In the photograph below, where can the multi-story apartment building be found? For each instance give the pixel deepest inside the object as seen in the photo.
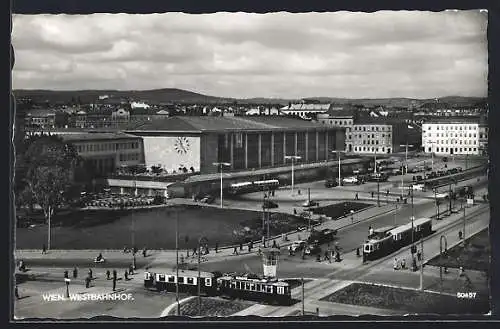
(448, 137)
(40, 118)
(370, 138)
(337, 118)
(305, 111)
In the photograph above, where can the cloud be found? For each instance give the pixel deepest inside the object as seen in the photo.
(342, 54)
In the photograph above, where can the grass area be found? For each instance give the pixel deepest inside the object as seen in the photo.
(475, 255)
(339, 210)
(212, 306)
(412, 301)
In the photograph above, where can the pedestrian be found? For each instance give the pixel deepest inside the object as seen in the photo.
(194, 251)
(44, 249)
(235, 251)
(272, 192)
(419, 255)
(326, 255)
(370, 231)
(290, 251)
(241, 246)
(460, 235)
(216, 247)
(299, 191)
(87, 282)
(16, 292)
(90, 273)
(372, 194)
(108, 275)
(274, 244)
(75, 273)
(357, 252)
(461, 271)
(131, 270)
(396, 264)
(115, 275)
(144, 252)
(357, 196)
(337, 256)
(66, 275)
(126, 275)
(294, 211)
(403, 264)
(114, 284)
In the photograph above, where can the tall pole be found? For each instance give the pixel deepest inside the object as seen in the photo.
(221, 204)
(464, 224)
(395, 214)
(449, 197)
(199, 277)
(422, 265)
(49, 233)
(177, 261)
(303, 308)
(293, 160)
(432, 155)
(406, 156)
(378, 192)
(133, 243)
(340, 177)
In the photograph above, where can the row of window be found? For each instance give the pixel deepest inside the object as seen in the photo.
(372, 128)
(130, 156)
(183, 280)
(339, 122)
(456, 149)
(373, 149)
(255, 287)
(100, 147)
(450, 127)
(454, 141)
(471, 135)
(368, 136)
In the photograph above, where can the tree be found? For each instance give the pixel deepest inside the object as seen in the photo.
(50, 167)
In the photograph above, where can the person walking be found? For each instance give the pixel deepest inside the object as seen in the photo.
(235, 251)
(90, 273)
(241, 246)
(44, 249)
(16, 292)
(396, 264)
(403, 264)
(108, 275)
(87, 282)
(216, 247)
(75, 273)
(419, 255)
(373, 194)
(370, 231)
(357, 196)
(114, 284)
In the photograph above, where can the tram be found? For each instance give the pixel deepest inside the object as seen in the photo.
(388, 240)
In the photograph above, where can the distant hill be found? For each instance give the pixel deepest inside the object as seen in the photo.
(87, 96)
(168, 95)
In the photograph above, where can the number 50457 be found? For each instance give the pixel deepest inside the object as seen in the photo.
(470, 295)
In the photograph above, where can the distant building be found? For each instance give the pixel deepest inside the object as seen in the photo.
(120, 117)
(305, 111)
(483, 138)
(452, 136)
(40, 118)
(139, 105)
(337, 117)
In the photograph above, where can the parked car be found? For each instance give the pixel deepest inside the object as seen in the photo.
(431, 175)
(268, 204)
(310, 203)
(298, 245)
(419, 178)
(378, 177)
(331, 183)
(208, 199)
(350, 180)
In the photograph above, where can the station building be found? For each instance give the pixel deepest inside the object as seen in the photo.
(245, 143)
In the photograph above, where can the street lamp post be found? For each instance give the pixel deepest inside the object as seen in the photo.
(395, 214)
(177, 261)
(422, 264)
(221, 165)
(339, 164)
(463, 235)
(412, 229)
(200, 240)
(404, 169)
(133, 243)
(293, 158)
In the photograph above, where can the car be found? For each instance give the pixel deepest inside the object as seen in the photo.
(431, 175)
(325, 235)
(208, 199)
(331, 183)
(419, 178)
(350, 180)
(418, 187)
(441, 173)
(459, 169)
(454, 170)
(298, 245)
(268, 204)
(310, 203)
(313, 249)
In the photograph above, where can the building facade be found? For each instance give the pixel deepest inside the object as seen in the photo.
(245, 143)
(107, 151)
(40, 118)
(370, 138)
(451, 137)
(305, 111)
(483, 139)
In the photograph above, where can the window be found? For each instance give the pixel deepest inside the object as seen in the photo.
(161, 277)
(171, 278)
(181, 279)
(190, 281)
(269, 289)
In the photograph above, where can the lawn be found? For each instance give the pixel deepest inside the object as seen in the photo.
(412, 301)
(475, 256)
(212, 306)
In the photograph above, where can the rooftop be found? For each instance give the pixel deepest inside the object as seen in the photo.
(96, 136)
(455, 119)
(197, 124)
(306, 107)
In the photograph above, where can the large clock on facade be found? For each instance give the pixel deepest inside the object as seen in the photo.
(181, 145)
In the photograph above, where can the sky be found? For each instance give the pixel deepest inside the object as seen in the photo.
(240, 55)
